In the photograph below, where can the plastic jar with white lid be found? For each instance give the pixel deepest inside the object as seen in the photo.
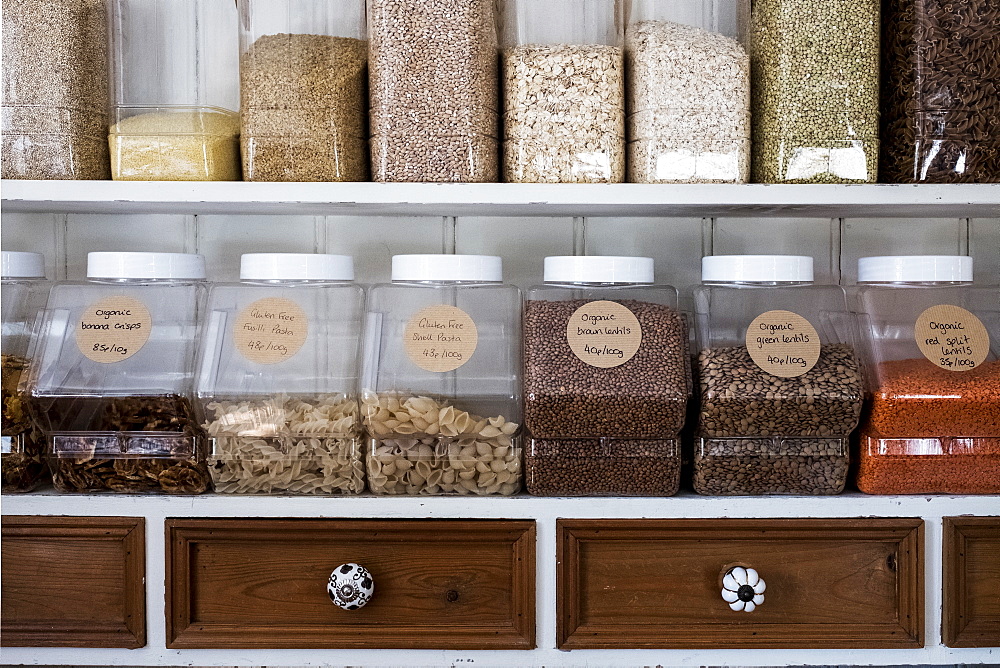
(780, 383)
(932, 337)
(606, 379)
(24, 291)
(111, 382)
(277, 375)
(441, 402)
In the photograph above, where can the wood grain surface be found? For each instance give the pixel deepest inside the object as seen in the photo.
(971, 611)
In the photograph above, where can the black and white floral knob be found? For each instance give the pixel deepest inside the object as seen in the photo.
(351, 586)
(743, 589)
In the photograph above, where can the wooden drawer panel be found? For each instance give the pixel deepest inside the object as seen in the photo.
(831, 583)
(971, 614)
(73, 582)
(261, 583)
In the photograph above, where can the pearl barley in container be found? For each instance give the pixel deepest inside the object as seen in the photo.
(440, 402)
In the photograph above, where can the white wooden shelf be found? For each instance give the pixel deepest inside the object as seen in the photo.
(499, 199)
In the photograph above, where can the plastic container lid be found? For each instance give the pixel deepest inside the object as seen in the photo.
(474, 268)
(296, 267)
(915, 269)
(179, 266)
(598, 269)
(757, 269)
(17, 264)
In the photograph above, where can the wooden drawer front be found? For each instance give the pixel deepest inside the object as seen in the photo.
(831, 583)
(73, 582)
(971, 615)
(438, 584)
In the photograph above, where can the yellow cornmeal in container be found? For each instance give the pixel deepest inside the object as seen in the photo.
(177, 145)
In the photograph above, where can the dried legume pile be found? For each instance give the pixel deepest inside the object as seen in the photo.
(564, 114)
(602, 467)
(689, 105)
(433, 90)
(941, 91)
(304, 100)
(645, 397)
(23, 466)
(815, 75)
(421, 445)
(55, 90)
(734, 466)
(298, 445)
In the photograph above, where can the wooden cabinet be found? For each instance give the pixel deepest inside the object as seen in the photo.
(830, 583)
(971, 614)
(73, 582)
(261, 583)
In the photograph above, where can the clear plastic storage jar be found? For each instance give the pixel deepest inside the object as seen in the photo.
(779, 381)
(55, 89)
(277, 377)
(111, 376)
(564, 91)
(434, 90)
(940, 91)
(933, 420)
(173, 117)
(687, 95)
(303, 90)
(606, 379)
(22, 448)
(441, 400)
(815, 93)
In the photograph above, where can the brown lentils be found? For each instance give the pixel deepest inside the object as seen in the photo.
(602, 467)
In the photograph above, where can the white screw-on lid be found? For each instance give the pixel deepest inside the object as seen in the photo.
(757, 269)
(474, 268)
(296, 267)
(16, 264)
(915, 269)
(598, 269)
(180, 266)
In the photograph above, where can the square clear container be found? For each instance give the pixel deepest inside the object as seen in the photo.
(771, 465)
(602, 467)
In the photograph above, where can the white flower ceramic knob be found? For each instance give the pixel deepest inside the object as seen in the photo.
(743, 589)
(351, 586)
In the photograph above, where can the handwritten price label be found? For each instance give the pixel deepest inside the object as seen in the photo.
(604, 334)
(440, 338)
(952, 337)
(113, 329)
(783, 343)
(270, 330)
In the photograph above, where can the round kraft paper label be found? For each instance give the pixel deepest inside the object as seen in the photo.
(604, 334)
(113, 329)
(783, 343)
(440, 338)
(952, 338)
(270, 330)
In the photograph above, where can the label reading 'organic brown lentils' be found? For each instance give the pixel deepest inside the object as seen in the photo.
(113, 329)
(783, 343)
(604, 334)
(952, 338)
(440, 338)
(270, 330)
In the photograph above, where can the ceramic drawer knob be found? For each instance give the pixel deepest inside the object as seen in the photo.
(743, 589)
(351, 586)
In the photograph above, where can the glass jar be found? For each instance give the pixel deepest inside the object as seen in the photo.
(173, 117)
(55, 89)
(779, 379)
(434, 90)
(22, 446)
(940, 91)
(606, 379)
(933, 424)
(440, 383)
(277, 377)
(111, 379)
(564, 91)
(688, 96)
(815, 71)
(303, 90)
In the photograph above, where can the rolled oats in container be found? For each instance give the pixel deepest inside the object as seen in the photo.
(434, 90)
(606, 379)
(779, 380)
(564, 91)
